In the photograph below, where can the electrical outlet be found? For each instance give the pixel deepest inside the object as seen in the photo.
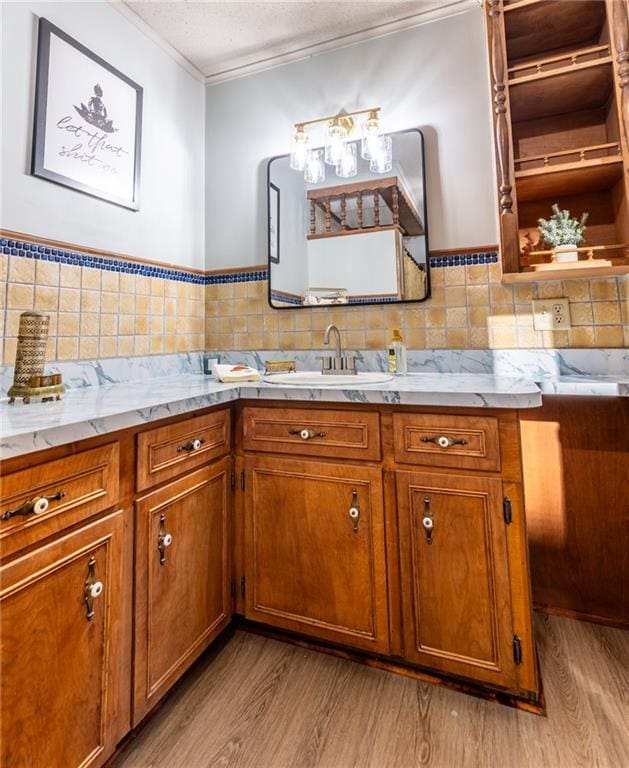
(551, 314)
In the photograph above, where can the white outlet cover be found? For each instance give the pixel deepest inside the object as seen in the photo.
(551, 314)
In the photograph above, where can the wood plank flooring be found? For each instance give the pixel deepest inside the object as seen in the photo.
(265, 704)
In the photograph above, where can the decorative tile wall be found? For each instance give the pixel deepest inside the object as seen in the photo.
(106, 307)
(469, 308)
(101, 310)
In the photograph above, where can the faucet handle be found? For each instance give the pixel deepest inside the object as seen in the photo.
(349, 363)
(326, 362)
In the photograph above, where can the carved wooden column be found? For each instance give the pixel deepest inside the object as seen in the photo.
(328, 215)
(618, 15)
(508, 220)
(395, 205)
(313, 217)
(376, 208)
(343, 211)
(359, 205)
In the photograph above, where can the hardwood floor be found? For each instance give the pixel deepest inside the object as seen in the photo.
(265, 704)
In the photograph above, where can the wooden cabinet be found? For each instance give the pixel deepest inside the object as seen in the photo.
(46, 498)
(167, 452)
(315, 550)
(182, 584)
(322, 433)
(445, 440)
(65, 673)
(455, 576)
(561, 115)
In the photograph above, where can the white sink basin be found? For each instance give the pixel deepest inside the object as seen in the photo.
(317, 379)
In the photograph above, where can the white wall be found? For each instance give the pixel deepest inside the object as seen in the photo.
(365, 263)
(291, 274)
(169, 226)
(434, 77)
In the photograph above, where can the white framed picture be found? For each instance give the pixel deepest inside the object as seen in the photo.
(88, 121)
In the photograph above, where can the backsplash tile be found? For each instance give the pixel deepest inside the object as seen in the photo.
(469, 307)
(104, 308)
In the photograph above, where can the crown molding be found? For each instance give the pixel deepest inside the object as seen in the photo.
(168, 49)
(452, 8)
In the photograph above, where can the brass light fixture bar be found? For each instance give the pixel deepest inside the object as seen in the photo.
(342, 118)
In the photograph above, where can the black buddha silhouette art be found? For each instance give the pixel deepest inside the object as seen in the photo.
(96, 112)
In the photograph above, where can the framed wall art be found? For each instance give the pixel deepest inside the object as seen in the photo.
(88, 121)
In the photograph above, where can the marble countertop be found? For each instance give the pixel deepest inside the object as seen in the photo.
(86, 412)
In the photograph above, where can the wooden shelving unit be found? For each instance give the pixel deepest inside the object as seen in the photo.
(560, 79)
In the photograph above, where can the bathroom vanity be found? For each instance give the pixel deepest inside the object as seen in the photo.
(393, 532)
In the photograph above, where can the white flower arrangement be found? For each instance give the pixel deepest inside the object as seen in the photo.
(561, 229)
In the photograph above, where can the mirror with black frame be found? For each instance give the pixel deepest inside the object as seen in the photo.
(358, 240)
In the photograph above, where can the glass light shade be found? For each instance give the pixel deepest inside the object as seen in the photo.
(372, 135)
(334, 142)
(348, 164)
(299, 149)
(314, 171)
(382, 160)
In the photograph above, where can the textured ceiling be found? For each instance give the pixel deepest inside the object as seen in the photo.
(226, 39)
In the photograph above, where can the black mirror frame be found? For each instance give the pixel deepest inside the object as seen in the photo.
(362, 303)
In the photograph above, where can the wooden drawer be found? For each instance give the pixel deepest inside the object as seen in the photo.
(88, 481)
(167, 452)
(336, 433)
(464, 442)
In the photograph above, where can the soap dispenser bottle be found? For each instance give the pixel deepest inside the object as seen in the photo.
(397, 354)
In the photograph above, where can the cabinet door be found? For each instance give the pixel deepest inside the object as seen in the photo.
(455, 576)
(64, 673)
(182, 578)
(315, 550)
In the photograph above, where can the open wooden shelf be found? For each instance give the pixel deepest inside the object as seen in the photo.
(565, 89)
(573, 59)
(563, 136)
(585, 176)
(563, 274)
(533, 27)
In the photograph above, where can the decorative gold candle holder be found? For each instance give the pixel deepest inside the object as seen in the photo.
(29, 379)
(279, 366)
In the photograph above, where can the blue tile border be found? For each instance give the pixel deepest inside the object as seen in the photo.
(464, 259)
(32, 250)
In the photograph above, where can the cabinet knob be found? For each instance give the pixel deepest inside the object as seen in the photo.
(36, 506)
(306, 434)
(164, 539)
(443, 441)
(354, 511)
(191, 445)
(428, 522)
(93, 588)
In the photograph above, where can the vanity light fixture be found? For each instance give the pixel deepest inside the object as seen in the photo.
(339, 147)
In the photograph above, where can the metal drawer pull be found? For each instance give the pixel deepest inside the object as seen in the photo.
(428, 521)
(443, 441)
(164, 540)
(191, 445)
(93, 588)
(354, 511)
(36, 506)
(306, 434)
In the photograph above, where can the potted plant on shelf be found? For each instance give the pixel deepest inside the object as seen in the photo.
(563, 233)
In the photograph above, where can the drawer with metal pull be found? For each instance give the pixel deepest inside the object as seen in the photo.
(462, 442)
(167, 452)
(336, 433)
(54, 495)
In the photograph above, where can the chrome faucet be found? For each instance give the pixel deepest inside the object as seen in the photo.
(337, 363)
